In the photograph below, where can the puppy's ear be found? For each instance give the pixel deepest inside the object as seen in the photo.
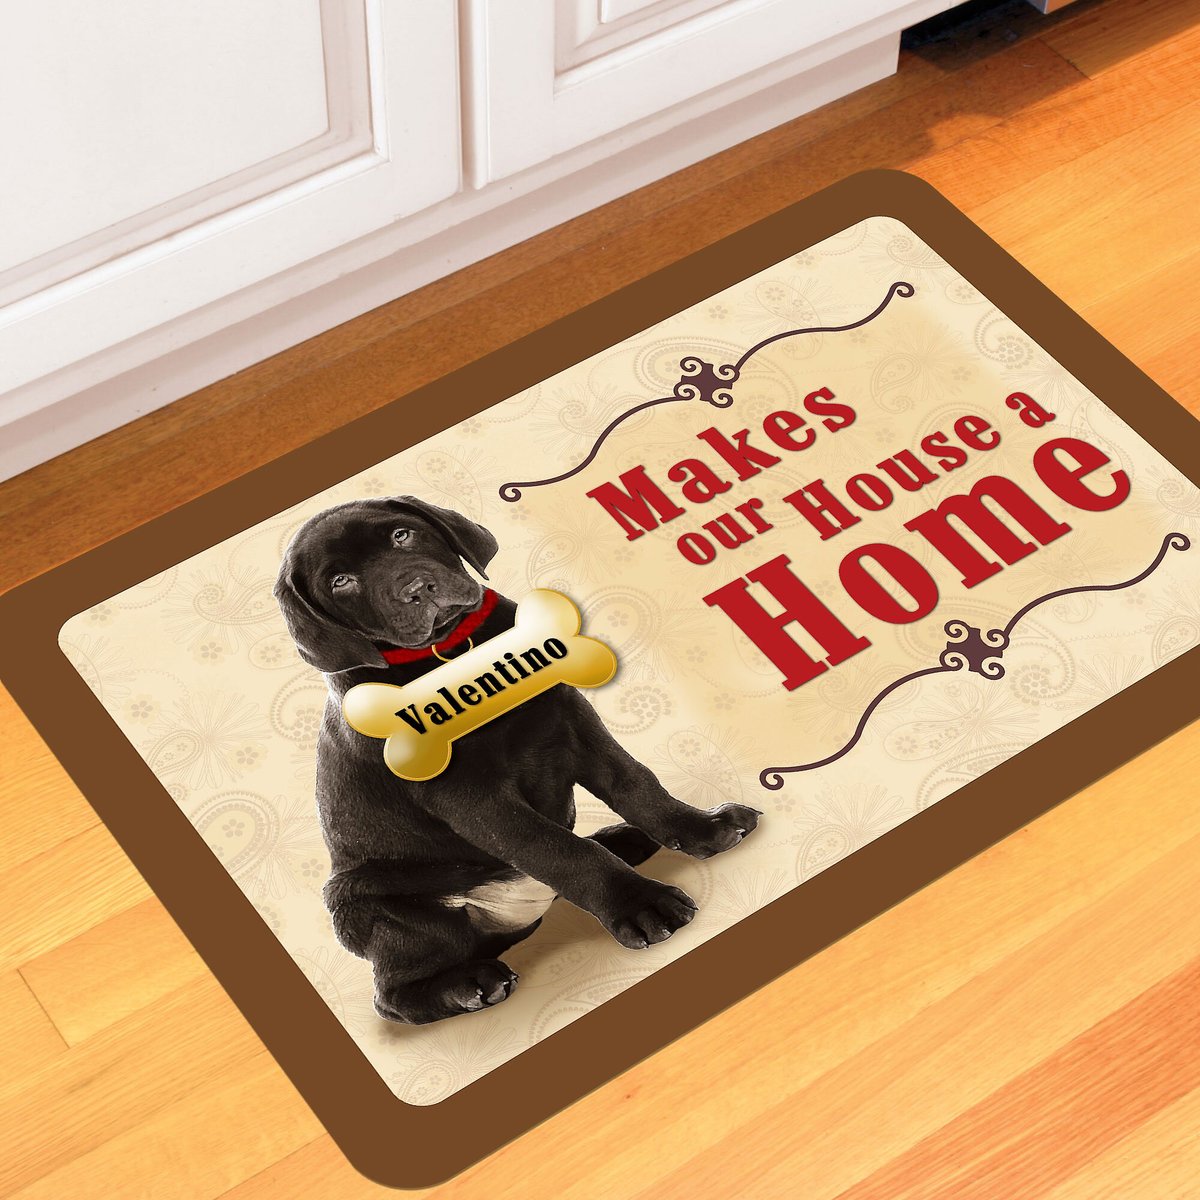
(323, 642)
(469, 541)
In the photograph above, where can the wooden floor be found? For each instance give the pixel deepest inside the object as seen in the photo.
(1027, 1027)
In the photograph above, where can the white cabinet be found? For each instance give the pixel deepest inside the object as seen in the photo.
(188, 186)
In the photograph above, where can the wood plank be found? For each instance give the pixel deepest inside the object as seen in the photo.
(63, 891)
(320, 1169)
(1133, 224)
(1106, 37)
(1108, 1081)
(1153, 315)
(115, 968)
(197, 1147)
(118, 1080)
(1061, 127)
(1155, 320)
(39, 805)
(1158, 1159)
(30, 1039)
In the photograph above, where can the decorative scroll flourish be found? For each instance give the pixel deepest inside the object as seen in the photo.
(973, 649)
(704, 381)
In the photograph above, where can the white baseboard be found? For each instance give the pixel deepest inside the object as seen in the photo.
(93, 396)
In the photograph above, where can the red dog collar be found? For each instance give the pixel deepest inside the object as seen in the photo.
(459, 634)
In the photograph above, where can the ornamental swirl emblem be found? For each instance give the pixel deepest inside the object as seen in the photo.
(701, 380)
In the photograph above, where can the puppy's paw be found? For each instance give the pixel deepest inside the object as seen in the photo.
(715, 831)
(464, 988)
(484, 984)
(649, 914)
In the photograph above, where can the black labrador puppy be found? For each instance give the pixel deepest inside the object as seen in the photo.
(433, 881)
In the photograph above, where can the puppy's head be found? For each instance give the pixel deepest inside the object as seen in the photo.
(387, 570)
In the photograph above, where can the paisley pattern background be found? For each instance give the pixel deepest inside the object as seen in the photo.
(197, 669)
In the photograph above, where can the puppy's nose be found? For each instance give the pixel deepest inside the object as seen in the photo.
(419, 589)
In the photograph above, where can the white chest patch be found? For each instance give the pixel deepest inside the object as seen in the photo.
(505, 904)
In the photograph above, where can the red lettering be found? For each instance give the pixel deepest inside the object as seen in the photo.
(821, 509)
(780, 426)
(749, 510)
(640, 507)
(696, 548)
(869, 492)
(728, 531)
(949, 457)
(837, 416)
(738, 453)
(970, 509)
(970, 432)
(1029, 410)
(1067, 482)
(700, 482)
(872, 596)
(769, 631)
(907, 470)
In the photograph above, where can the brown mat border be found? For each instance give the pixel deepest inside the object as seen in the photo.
(410, 1146)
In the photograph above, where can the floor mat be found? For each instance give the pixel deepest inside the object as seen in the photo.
(887, 542)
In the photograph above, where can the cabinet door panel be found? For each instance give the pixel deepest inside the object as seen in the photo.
(553, 76)
(175, 152)
(586, 29)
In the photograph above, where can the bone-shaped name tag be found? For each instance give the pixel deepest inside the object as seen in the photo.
(421, 719)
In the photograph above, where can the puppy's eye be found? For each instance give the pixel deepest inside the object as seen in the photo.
(341, 581)
(400, 536)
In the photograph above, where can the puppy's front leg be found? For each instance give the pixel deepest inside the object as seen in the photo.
(632, 791)
(636, 911)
